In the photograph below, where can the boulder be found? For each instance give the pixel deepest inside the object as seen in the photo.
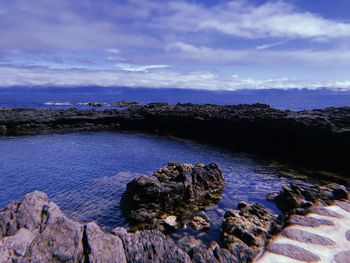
(150, 246)
(245, 231)
(295, 198)
(169, 188)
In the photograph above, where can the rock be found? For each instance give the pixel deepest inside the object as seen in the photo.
(246, 231)
(347, 235)
(59, 239)
(96, 104)
(102, 247)
(199, 223)
(342, 257)
(123, 103)
(308, 221)
(3, 129)
(169, 188)
(150, 246)
(214, 254)
(24, 214)
(293, 252)
(294, 197)
(35, 230)
(307, 237)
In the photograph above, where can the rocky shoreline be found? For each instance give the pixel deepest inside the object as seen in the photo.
(318, 138)
(35, 229)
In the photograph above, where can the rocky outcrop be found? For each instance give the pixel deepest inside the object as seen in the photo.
(150, 246)
(35, 230)
(171, 187)
(297, 198)
(315, 137)
(246, 231)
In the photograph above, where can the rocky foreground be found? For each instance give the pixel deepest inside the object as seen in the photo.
(314, 137)
(35, 229)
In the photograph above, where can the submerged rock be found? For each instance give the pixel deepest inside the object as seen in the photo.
(245, 231)
(176, 184)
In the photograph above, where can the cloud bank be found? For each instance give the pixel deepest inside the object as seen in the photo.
(178, 43)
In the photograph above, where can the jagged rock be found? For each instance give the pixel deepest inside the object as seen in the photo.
(245, 231)
(35, 230)
(150, 246)
(170, 187)
(102, 247)
(294, 197)
(213, 254)
(199, 223)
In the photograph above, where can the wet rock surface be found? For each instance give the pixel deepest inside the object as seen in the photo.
(293, 252)
(171, 187)
(245, 231)
(297, 198)
(319, 137)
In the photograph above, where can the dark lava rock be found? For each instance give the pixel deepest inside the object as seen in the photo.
(295, 196)
(96, 104)
(176, 184)
(319, 138)
(245, 231)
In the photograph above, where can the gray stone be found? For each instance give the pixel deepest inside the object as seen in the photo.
(307, 237)
(293, 252)
(342, 257)
(325, 212)
(199, 223)
(344, 205)
(308, 221)
(103, 247)
(60, 239)
(150, 246)
(347, 235)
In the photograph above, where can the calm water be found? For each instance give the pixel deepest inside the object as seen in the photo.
(86, 173)
(51, 97)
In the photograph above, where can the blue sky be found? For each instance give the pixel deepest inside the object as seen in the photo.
(186, 44)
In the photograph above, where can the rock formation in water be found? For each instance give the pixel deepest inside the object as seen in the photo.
(169, 188)
(246, 231)
(35, 230)
(318, 137)
(297, 198)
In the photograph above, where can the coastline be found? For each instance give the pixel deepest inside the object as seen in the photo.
(316, 138)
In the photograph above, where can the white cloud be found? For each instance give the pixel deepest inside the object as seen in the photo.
(151, 79)
(138, 68)
(262, 56)
(271, 45)
(276, 19)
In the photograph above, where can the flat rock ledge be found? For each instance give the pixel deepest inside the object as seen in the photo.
(170, 188)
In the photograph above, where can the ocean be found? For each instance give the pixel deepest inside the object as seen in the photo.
(78, 97)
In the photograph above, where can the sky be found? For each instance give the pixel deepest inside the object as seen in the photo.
(207, 44)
